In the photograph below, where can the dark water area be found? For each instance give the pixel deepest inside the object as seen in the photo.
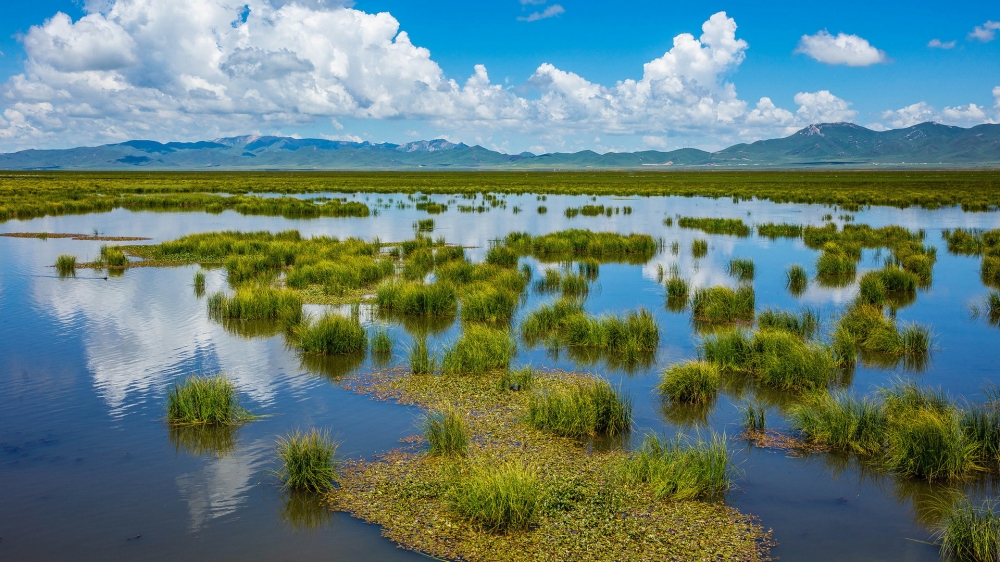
(90, 471)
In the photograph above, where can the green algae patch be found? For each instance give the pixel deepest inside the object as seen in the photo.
(575, 505)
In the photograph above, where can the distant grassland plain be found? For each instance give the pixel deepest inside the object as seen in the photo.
(25, 195)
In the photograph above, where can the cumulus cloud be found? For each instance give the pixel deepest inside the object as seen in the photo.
(996, 97)
(939, 44)
(840, 49)
(550, 11)
(986, 32)
(909, 116)
(922, 112)
(197, 69)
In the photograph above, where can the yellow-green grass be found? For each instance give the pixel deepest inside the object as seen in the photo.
(113, 256)
(199, 283)
(205, 400)
(257, 303)
(971, 533)
(796, 280)
(446, 432)
(498, 497)
(735, 227)
(308, 461)
(779, 230)
(773, 358)
(723, 305)
(699, 248)
(636, 331)
(66, 265)
(479, 349)
(483, 302)
(421, 360)
(741, 268)
(864, 328)
(691, 382)
(332, 334)
(417, 298)
(587, 408)
(805, 324)
(577, 244)
(679, 468)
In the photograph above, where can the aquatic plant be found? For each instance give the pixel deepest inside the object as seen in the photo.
(446, 432)
(257, 303)
(842, 422)
(502, 256)
(754, 416)
(575, 244)
(487, 303)
(381, 342)
(635, 332)
(66, 265)
(479, 349)
(805, 324)
(796, 279)
(308, 461)
(865, 328)
(723, 305)
(741, 268)
(333, 334)
(693, 382)
(584, 408)
(679, 468)
(971, 533)
(735, 227)
(518, 379)
(113, 256)
(677, 291)
(209, 400)
(498, 496)
(418, 299)
(774, 358)
(199, 283)
(699, 248)
(783, 230)
(422, 362)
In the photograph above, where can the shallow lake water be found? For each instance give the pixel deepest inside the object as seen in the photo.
(89, 470)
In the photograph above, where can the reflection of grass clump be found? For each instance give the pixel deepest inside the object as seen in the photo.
(209, 400)
(679, 469)
(693, 382)
(586, 408)
(308, 461)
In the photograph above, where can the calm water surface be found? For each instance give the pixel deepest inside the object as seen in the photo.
(89, 470)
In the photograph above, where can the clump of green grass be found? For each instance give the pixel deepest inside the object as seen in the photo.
(308, 461)
(735, 227)
(797, 280)
(782, 230)
(333, 334)
(804, 324)
(754, 417)
(518, 380)
(424, 225)
(489, 304)
(741, 268)
(479, 349)
(677, 292)
(199, 283)
(699, 248)
(502, 256)
(680, 469)
(113, 256)
(837, 261)
(842, 422)
(446, 432)
(865, 328)
(211, 400)
(422, 362)
(381, 342)
(584, 408)
(66, 265)
(693, 382)
(722, 305)
(498, 496)
(971, 533)
(636, 332)
(578, 243)
(989, 271)
(257, 303)
(774, 358)
(418, 299)
(990, 308)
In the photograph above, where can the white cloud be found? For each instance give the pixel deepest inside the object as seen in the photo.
(840, 49)
(823, 107)
(996, 97)
(549, 12)
(922, 112)
(197, 69)
(654, 141)
(939, 44)
(909, 116)
(985, 32)
(966, 115)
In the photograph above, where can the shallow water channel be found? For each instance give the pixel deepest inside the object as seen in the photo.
(90, 471)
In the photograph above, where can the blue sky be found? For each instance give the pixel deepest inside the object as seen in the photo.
(110, 70)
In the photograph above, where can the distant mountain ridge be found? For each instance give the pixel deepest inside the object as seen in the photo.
(825, 144)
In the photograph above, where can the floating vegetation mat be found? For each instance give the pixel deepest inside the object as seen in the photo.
(582, 510)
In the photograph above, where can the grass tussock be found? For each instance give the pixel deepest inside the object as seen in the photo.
(257, 303)
(773, 358)
(308, 461)
(205, 400)
(113, 256)
(754, 417)
(381, 342)
(333, 334)
(680, 469)
(566, 320)
(479, 349)
(199, 283)
(517, 380)
(864, 328)
(446, 433)
(568, 245)
(66, 265)
(418, 299)
(693, 382)
(499, 496)
(804, 324)
(723, 305)
(971, 533)
(779, 230)
(584, 408)
(421, 360)
(699, 248)
(734, 227)
(489, 304)
(741, 268)
(796, 280)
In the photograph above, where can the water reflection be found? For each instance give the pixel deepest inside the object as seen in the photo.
(220, 487)
(304, 511)
(197, 440)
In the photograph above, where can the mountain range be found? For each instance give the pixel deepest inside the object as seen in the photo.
(927, 145)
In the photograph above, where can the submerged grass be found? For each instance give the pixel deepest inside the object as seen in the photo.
(308, 461)
(210, 400)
